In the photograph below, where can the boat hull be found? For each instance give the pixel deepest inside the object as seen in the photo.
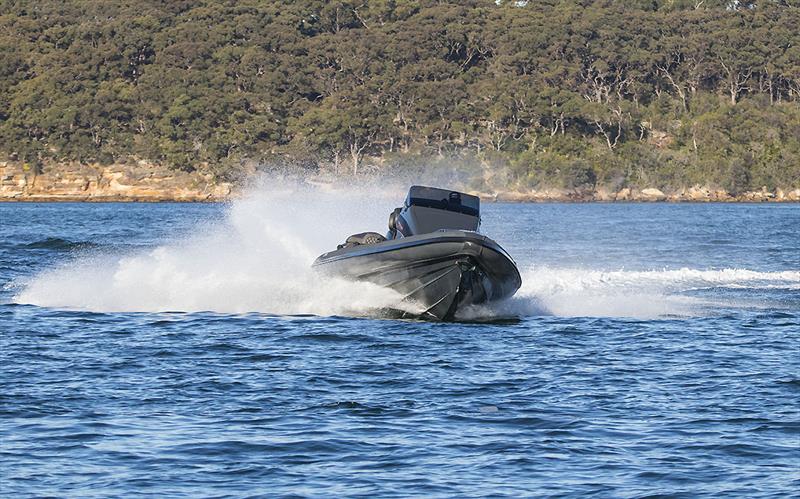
(439, 273)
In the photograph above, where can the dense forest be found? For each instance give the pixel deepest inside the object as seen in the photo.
(571, 94)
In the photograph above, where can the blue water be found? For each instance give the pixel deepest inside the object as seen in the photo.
(184, 350)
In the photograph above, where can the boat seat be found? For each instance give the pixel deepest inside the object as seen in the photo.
(361, 239)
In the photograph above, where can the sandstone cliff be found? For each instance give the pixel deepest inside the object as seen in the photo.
(692, 194)
(147, 182)
(76, 182)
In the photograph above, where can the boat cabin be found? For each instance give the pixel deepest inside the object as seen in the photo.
(428, 209)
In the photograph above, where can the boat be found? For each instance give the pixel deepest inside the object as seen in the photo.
(433, 256)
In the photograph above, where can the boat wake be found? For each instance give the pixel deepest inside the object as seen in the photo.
(257, 259)
(685, 292)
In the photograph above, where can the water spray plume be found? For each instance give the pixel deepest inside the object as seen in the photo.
(257, 259)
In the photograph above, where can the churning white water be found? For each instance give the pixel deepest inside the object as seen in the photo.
(643, 294)
(257, 259)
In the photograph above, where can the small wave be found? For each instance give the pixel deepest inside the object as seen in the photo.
(59, 244)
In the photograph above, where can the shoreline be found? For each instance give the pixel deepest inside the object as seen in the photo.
(144, 182)
(518, 198)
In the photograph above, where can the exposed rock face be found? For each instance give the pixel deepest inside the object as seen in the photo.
(759, 196)
(147, 182)
(603, 195)
(695, 193)
(512, 196)
(142, 182)
(652, 195)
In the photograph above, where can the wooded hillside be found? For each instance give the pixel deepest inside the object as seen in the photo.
(556, 93)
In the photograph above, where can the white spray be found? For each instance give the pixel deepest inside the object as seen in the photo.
(257, 259)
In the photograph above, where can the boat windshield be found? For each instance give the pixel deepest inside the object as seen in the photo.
(442, 199)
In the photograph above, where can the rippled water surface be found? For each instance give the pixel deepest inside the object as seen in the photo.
(167, 350)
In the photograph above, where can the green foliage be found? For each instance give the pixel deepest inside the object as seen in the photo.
(544, 93)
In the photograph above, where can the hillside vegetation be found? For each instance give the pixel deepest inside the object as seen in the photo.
(544, 93)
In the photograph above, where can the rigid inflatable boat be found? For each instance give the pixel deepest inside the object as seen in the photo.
(432, 255)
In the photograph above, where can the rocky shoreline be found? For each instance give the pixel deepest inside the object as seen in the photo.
(145, 182)
(695, 194)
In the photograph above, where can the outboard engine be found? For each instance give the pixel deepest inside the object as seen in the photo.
(428, 209)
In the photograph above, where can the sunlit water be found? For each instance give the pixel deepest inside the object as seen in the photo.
(166, 349)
